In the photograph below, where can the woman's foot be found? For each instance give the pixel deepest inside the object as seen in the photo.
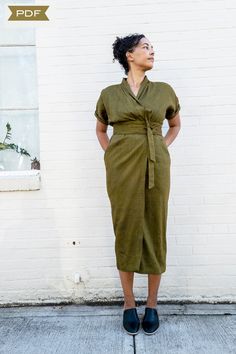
(150, 321)
(131, 321)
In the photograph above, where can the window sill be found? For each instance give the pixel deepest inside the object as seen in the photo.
(28, 180)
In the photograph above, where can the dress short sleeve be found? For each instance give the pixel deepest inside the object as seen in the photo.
(100, 111)
(174, 105)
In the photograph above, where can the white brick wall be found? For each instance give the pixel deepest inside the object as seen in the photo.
(194, 44)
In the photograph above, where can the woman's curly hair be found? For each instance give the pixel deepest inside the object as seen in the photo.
(122, 45)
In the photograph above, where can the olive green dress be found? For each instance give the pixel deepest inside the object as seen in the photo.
(137, 162)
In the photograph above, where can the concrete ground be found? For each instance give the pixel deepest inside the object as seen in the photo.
(188, 328)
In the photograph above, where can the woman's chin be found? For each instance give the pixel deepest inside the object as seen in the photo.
(150, 66)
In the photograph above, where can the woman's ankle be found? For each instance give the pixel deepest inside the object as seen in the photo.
(151, 303)
(129, 303)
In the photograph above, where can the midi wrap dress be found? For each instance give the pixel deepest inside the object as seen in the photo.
(137, 162)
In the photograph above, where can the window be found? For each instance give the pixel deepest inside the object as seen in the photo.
(19, 130)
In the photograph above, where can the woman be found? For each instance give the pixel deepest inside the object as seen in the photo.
(137, 162)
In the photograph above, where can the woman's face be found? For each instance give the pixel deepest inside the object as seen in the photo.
(142, 55)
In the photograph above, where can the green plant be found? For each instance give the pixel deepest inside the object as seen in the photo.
(4, 146)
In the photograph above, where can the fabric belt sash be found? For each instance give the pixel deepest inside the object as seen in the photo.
(142, 127)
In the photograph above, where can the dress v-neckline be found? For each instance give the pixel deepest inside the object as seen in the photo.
(142, 85)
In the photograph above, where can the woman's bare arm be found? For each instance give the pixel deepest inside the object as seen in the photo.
(175, 126)
(101, 131)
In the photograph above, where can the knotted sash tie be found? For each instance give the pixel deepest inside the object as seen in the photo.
(142, 127)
